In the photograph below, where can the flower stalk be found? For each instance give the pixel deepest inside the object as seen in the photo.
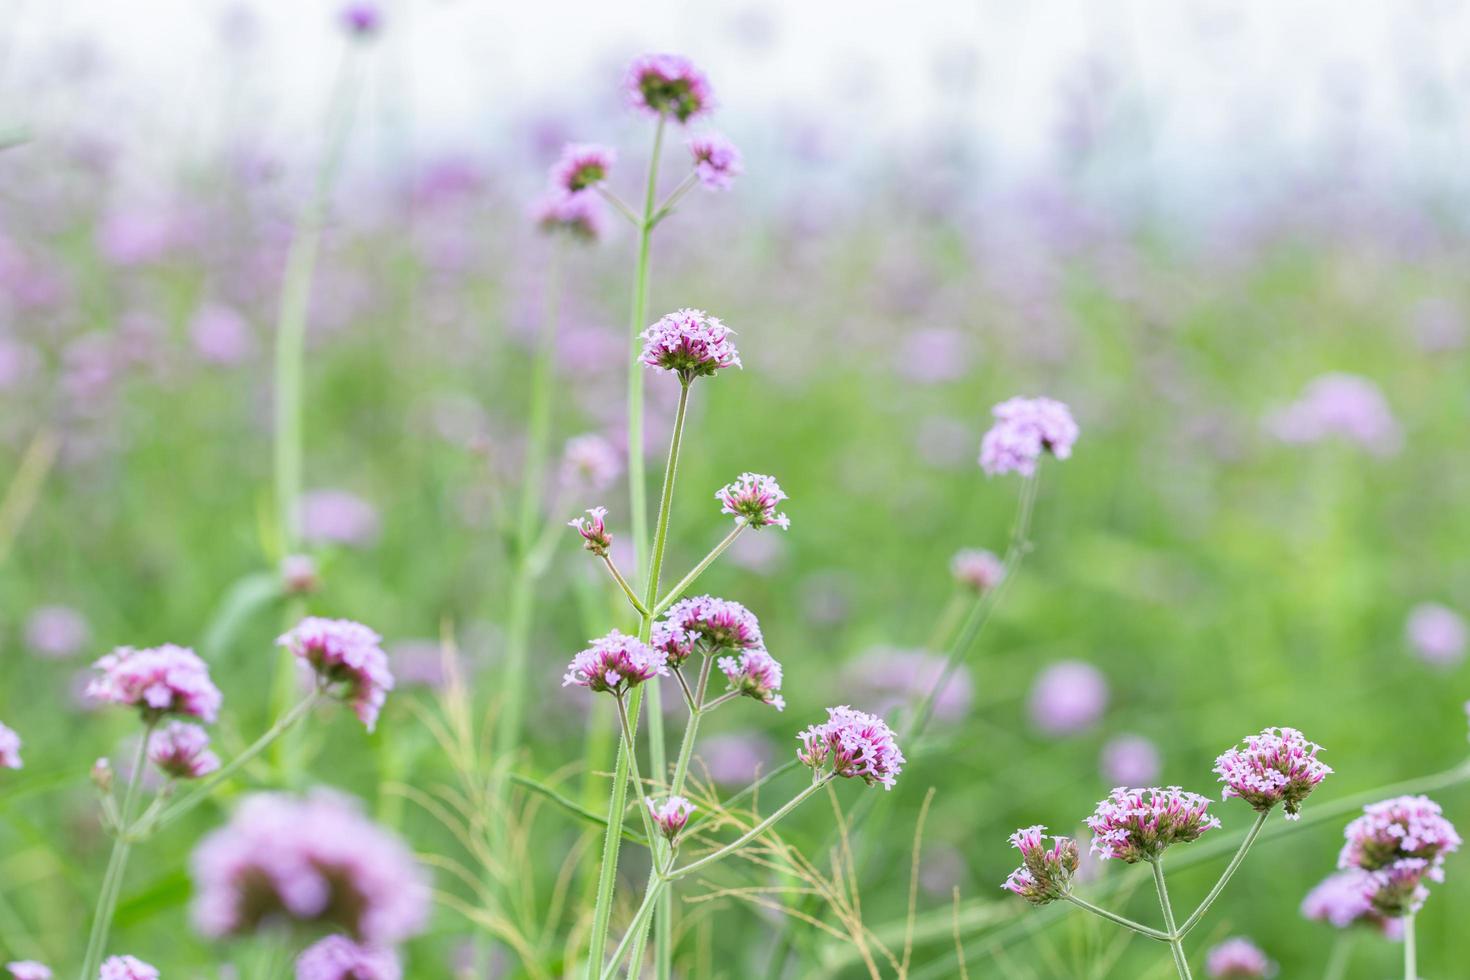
(1176, 944)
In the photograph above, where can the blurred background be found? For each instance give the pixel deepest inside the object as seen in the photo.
(1232, 237)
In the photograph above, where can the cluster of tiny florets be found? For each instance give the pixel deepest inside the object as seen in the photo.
(339, 958)
(126, 968)
(1401, 843)
(977, 569)
(1238, 958)
(668, 85)
(347, 655)
(674, 641)
(159, 680)
(856, 744)
(1346, 899)
(752, 499)
(1045, 874)
(1277, 766)
(593, 530)
(722, 624)
(689, 343)
(755, 674)
(578, 215)
(670, 816)
(716, 161)
(1024, 429)
(615, 663)
(181, 750)
(1134, 825)
(582, 166)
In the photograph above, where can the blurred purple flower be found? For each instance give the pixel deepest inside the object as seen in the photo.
(758, 553)
(337, 517)
(1344, 899)
(1130, 760)
(126, 968)
(582, 166)
(160, 680)
(1024, 429)
(889, 679)
(362, 18)
(28, 970)
(716, 161)
(668, 85)
(221, 335)
(339, 958)
(182, 751)
(1238, 957)
(1067, 697)
(590, 464)
(9, 748)
(579, 215)
(934, 355)
(735, 759)
(1437, 634)
(57, 631)
(344, 655)
(1341, 406)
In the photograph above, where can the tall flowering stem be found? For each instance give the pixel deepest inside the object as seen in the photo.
(1225, 876)
(1411, 957)
(1176, 943)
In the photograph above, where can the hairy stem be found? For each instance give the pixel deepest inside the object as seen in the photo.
(637, 485)
(632, 596)
(1176, 944)
(1123, 921)
(698, 570)
(1245, 845)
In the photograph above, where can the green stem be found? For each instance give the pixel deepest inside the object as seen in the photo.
(628, 746)
(1176, 945)
(698, 570)
(1123, 921)
(1411, 955)
(666, 499)
(1342, 954)
(636, 927)
(117, 863)
(617, 805)
(1245, 845)
(751, 834)
(637, 484)
(667, 207)
(627, 589)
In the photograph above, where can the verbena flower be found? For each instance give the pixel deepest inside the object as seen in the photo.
(347, 655)
(182, 751)
(593, 530)
(339, 958)
(1437, 634)
(716, 161)
(689, 343)
(668, 85)
(579, 215)
(338, 517)
(753, 499)
(57, 631)
(670, 816)
(1398, 889)
(722, 624)
(676, 642)
(126, 968)
(755, 674)
(1339, 406)
(590, 463)
(28, 970)
(1067, 697)
(1277, 766)
(1130, 760)
(1045, 874)
(856, 744)
(362, 19)
(977, 569)
(9, 748)
(1345, 899)
(582, 166)
(299, 574)
(1401, 843)
(615, 663)
(159, 680)
(283, 859)
(1238, 957)
(1024, 429)
(1134, 825)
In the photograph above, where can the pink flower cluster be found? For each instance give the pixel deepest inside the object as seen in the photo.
(752, 499)
(28, 970)
(615, 663)
(593, 530)
(1045, 874)
(1134, 825)
(578, 215)
(1437, 633)
(755, 674)
(159, 681)
(674, 641)
(856, 743)
(670, 816)
(590, 463)
(9, 748)
(1277, 766)
(182, 751)
(689, 343)
(668, 85)
(1238, 957)
(339, 958)
(1341, 406)
(1401, 843)
(582, 166)
(362, 19)
(722, 624)
(345, 654)
(1346, 899)
(977, 569)
(716, 161)
(1024, 429)
(126, 968)
(316, 860)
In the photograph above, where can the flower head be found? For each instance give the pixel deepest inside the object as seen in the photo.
(28, 970)
(182, 751)
(1238, 957)
(716, 161)
(689, 343)
(856, 743)
(126, 968)
(159, 681)
(668, 85)
(339, 958)
(977, 569)
(57, 631)
(1024, 429)
(590, 463)
(753, 499)
(755, 674)
(579, 215)
(1277, 766)
(347, 654)
(1401, 843)
(671, 816)
(1135, 825)
(1045, 874)
(722, 624)
(1345, 899)
(1339, 406)
(582, 166)
(1398, 889)
(362, 19)
(615, 663)
(675, 642)
(1437, 634)
(1067, 697)
(316, 860)
(337, 517)
(1130, 759)
(299, 574)
(593, 530)
(9, 748)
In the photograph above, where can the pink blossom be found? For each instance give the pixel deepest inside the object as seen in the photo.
(977, 569)
(347, 656)
(1130, 760)
(689, 343)
(1339, 406)
(676, 642)
(615, 663)
(126, 968)
(582, 166)
(1345, 899)
(299, 574)
(361, 19)
(339, 958)
(160, 680)
(1401, 843)
(887, 678)
(1277, 766)
(1046, 873)
(721, 623)
(1238, 957)
(590, 464)
(1024, 429)
(182, 751)
(716, 161)
(1067, 697)
(668, 85)
(578, 215)
(593, 530)
(1134, 825)
(856, 743)
(755, 674)
(671, 815)
(9, 748)
(337, 517)
(1437, 634)
(752, 499)
(221, 335)
(28, 970)
(57, 631)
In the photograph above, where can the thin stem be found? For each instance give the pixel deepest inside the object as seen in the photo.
(727, 696)
(698, 570)
(664, 209)
(666, 498)
(1176, 946)
(635, 927)
(1411, 954)
(637, 483)
(117, 863)
(688, 694)
(611, 843)
(1245, 845)
(628, 746)
(1342, 954)
(620, 206)
(1123, 921)
(638, 606)
(750, 834)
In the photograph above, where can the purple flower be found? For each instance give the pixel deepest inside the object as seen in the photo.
(126, 968)
(689, 343)
(1277, 766)
(182, 751)
(674, 641)
(1345, 899)
(579, 215)
(615, 663)
(1024, 429)
(337, 517)
(28, 970)
(318, 860)
(721, 623)
(9, 748)
(582, 166)
(1401, 843)
(671, 816)
(716, 161)
(856, 743)
(159, 681)
(1437, 634)
(361, 19)
(1045, 874)
(221, 335)
(1341, 406)
(1130, 760)
(1238, 957)
(977, 569)
(756, 674)
(668, 85)
(1135, 825)
(590, 464)
(1067, 697)
(1398, 889)
(346, 655)
(56, 631)
(339, 958)
(753, 499)
(593, 531)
